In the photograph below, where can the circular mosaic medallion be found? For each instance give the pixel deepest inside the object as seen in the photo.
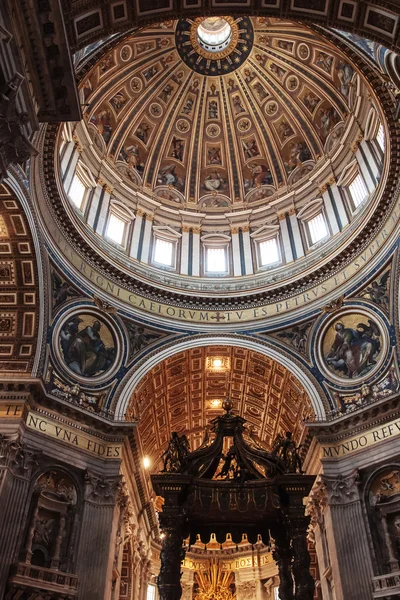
(303, 51)
(271, 108)
(126, 53)
(87, 345)
(243, 125)
(213, 130)
(182, 125)
(214, 45)
(156, 109)
(136, 84)
(292, 83)
(352, 346)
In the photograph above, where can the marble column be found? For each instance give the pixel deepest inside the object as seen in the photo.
(315, 509)
(347, 539)
(98, 532)
(187, 582)
(17, 463)
(246, 590)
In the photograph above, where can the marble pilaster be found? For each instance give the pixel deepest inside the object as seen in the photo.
(247, 251)
(196, 253)
(298, 242)
(364, 168)
(147, 234)
(237, 267)
(70, 167)
(347, 539)
(336, 197)
(330, 213)
(137, 228)
(98, 532)
(17, 463)
(103, 212)
(285, 238)
(185, 251)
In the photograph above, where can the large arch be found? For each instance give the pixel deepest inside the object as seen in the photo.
(140, 369)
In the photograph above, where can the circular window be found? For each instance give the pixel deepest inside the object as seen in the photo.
(214, 34)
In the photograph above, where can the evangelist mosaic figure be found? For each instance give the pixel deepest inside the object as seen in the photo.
(354, 350)
(84, 351)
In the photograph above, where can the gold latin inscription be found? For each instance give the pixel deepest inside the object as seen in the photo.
(11, 410)
(334, 283)
(232, 565)
(368, 438)
(72, 437)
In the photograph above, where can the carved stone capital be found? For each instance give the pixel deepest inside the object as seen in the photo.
(102, 490)
(342, 490)
(17, 457)
(317, 501)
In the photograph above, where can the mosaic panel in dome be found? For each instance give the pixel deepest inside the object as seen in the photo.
(221, 138)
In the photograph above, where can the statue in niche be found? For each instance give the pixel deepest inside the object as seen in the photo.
(285, 448)
(175, 454)
(395, 534)
(85, 352)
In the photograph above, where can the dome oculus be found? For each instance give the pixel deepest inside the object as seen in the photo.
(214, 45)
(214, 34)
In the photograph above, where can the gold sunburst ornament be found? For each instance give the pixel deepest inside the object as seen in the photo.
(214, 583)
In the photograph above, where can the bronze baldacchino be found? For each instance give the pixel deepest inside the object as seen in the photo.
(255, 492)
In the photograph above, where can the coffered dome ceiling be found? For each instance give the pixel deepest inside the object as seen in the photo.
(224, 126)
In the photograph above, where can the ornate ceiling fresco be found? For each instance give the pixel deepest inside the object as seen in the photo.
(184, 392)
(211, 130)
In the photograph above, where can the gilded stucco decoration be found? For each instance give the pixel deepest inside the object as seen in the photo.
(236, 125)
